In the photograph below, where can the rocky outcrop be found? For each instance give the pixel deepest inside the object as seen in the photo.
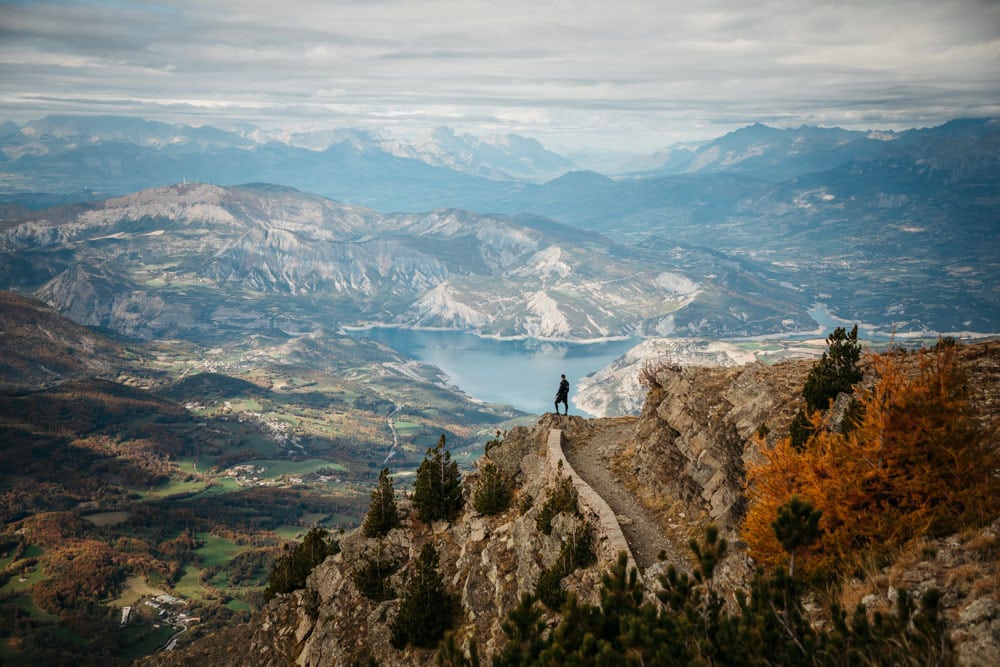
(698, 430)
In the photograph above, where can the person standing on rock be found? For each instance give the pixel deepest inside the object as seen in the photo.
(562, 395)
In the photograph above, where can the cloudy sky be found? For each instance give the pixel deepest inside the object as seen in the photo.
(615, 73)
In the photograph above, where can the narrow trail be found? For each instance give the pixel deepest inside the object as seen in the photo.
(590, 452)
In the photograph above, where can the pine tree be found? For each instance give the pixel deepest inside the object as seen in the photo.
(577, 551)
(837, 370)
(289, 571)
(492, 494)
(450, 654)
(562, 497)
(383, 514)
(796, 526)
(438, 489)
(917, 462)
(524, 629)
(426, 610)
(372, 576)
(694, 626)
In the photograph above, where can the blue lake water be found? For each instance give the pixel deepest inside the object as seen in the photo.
(521, 373)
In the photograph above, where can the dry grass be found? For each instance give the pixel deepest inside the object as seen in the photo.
(984, 546)
(967, 565)
(106, 518)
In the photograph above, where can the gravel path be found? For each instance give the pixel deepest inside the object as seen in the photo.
(589, 452)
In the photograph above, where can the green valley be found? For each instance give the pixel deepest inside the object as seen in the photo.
(182, 470)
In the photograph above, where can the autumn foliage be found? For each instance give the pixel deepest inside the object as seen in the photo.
(917, 463)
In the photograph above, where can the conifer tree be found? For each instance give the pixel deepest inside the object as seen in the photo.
(383, 514)
(561, 497)
(695, 627)
(492, 494)
(426, 610)
(524, 629)
(917, 462)
(796, 526)
(837, 370)
(438, 489)
(289, 571)
(372, 576)
(577, 551)
(450, 654)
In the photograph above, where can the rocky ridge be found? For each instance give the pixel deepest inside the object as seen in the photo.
(683, 459)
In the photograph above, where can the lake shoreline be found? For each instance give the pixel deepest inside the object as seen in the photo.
(521, 372)
(347, 329)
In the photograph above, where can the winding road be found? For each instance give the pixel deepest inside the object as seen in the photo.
(392, 429)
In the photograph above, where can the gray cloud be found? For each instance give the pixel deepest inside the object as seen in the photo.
(632, 74)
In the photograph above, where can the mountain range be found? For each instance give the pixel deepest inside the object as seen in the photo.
(893, 230)
(204, 262)
(180, 395)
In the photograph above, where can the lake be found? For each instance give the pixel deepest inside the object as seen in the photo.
(521, 373)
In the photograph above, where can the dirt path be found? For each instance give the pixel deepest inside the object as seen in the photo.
(589, 452)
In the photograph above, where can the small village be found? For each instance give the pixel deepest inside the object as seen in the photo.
(162, 611)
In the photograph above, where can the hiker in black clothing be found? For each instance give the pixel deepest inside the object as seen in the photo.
(562, 395)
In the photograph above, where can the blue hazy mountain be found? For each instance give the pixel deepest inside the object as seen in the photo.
(893, 229)
(205, 262)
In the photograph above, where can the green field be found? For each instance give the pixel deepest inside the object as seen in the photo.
(238, 605)
(404, 429)
(287, 532)
(314, 519)
(246, 405)
(217, 550)
(27, 604)
(219, 486)
(146, 639)
(172, 487)
(16, 584)
(134, 590)
(189, 585)
(277, 468)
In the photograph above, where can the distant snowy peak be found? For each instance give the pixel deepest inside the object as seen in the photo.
(360, 139)
(494, 156)
(501, 157)
(504, 157)
(765, 152)
(59, 133)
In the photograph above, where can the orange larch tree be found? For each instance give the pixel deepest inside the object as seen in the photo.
(917, 463)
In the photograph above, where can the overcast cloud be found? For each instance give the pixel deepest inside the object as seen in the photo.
(638, 75)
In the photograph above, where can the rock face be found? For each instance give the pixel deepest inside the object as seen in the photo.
(697, 431)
